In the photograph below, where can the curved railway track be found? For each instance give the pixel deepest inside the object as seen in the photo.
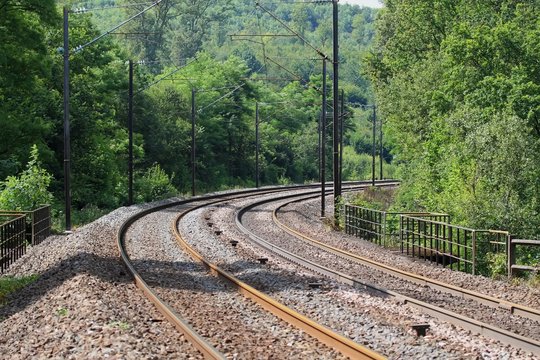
(524, 342)
(344, 345)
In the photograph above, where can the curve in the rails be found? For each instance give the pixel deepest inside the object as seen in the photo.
(479, 327)
(180, 323)
(323, 334)
(516, 309)
(183, 326)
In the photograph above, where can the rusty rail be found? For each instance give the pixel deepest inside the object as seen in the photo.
(529, 344)
(323, 334)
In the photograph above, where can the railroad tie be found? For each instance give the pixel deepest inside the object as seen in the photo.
(420, 329)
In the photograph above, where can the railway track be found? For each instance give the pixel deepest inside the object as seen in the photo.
(342, 344)
(285, 250)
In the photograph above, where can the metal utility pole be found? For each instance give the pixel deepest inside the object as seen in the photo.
(337, 186)
(67, 136)
(374, 146)
(192, 141)
(322, 154)
(256, 144)
(380, 150)
(130, 132)
(341, 117)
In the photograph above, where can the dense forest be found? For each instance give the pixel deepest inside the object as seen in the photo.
(233, 53)
(458, 83)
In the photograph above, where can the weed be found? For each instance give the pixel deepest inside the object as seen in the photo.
(10, 284)
(62, 311)
(122, 325)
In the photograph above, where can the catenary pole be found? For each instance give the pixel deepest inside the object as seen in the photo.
(341, 118)
(256, 144)
(193, 141)
(130, 132)
(323, 141)
(337, 188)
(67, 135)
(373, 149)
(380, 149)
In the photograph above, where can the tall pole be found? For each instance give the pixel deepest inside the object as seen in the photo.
(337, 187)
(67, 136)
(193, 141)
(130, 131)
(341, 118)
(380, 150)
(373, 147)
(256, 144)
(323, 141)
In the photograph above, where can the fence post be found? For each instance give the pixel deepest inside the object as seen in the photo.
(511, 256)
(474, 252)
(384, 228)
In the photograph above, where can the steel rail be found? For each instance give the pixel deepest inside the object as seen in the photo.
(479, 327)
(318, 331)
(208, 351)
(514, 308)
(181, 324)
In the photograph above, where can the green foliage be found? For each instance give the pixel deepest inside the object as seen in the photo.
(10, 284)
(457, 85)
(28, 190)
(497, 266)
(155, 184)
(374, 197)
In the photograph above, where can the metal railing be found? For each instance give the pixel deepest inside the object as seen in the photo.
(512, 266)
(462, 248)
(38, 223)
(380, 227)
(368, 224)
(12, 239)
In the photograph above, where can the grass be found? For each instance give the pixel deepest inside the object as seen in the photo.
(122, 325)
(10, 284)
(62, 311)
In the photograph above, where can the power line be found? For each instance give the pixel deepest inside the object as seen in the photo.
(80, 47)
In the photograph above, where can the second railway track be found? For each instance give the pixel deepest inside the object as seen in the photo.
(233, 328)
(496, 323)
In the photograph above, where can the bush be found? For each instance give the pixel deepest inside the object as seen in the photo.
(155, 184)
(28, 190)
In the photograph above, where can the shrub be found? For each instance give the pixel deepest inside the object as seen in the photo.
(155, 184)
(28, 190)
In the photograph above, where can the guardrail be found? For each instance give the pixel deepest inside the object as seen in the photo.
(12, 239)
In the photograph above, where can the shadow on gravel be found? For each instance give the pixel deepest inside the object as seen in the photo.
(172, 275)
(109, 269)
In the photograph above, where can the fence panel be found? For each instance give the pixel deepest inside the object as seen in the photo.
(462, 248)
(12, 240)
(41, 224)
(368, 224)
(38, 223)
(512, 266)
